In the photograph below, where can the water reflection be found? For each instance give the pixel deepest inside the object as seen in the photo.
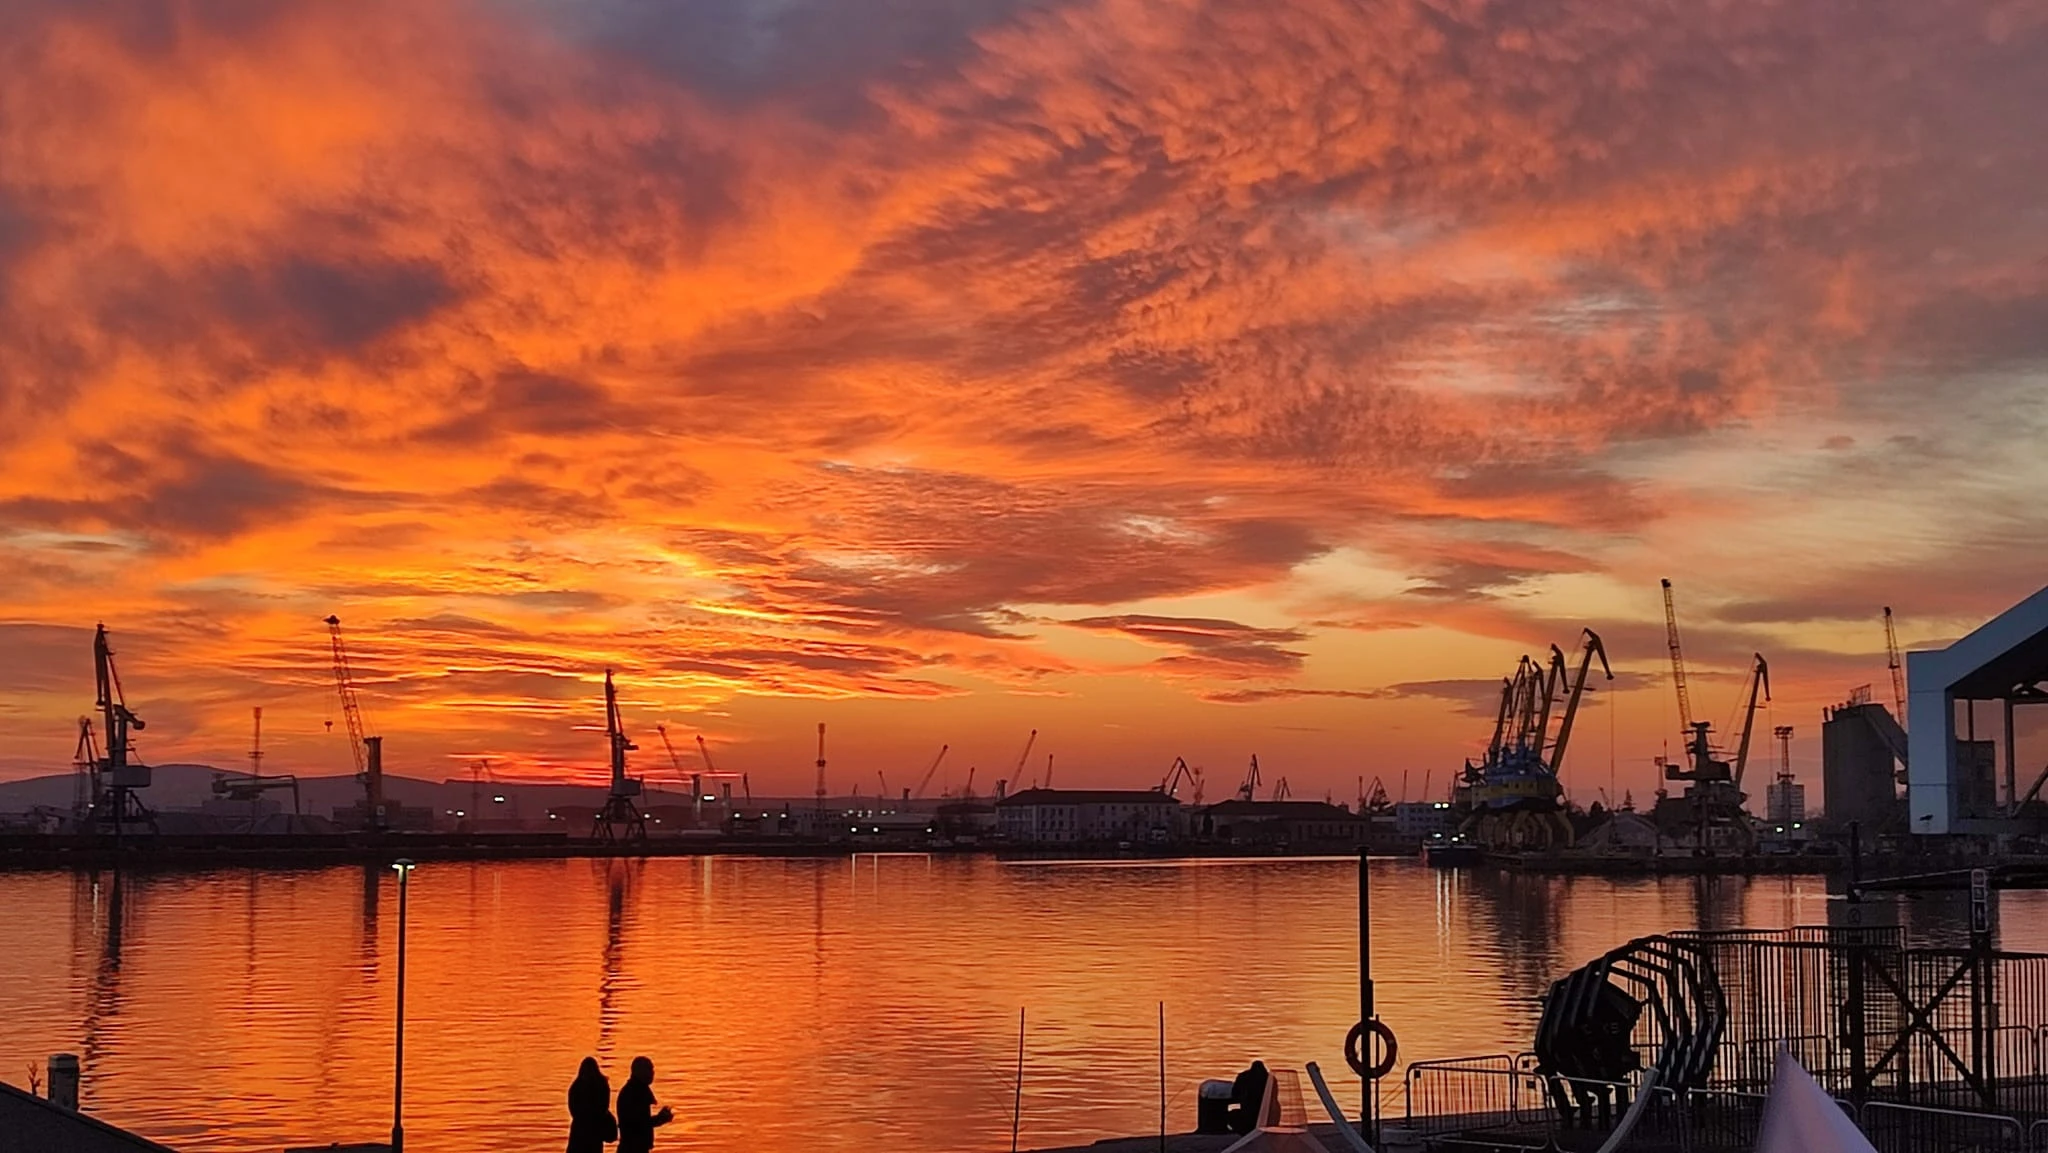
(881, 993)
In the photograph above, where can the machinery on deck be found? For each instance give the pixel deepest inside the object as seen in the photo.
(1512, 798)
(1710, 809)
(620, 819)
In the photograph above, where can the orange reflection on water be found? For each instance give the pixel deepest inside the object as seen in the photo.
(850, 1005)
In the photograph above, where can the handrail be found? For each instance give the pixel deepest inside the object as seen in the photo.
(1358, 1144)
(1635, 1111)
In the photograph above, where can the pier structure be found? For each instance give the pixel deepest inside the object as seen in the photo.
(1964, 770)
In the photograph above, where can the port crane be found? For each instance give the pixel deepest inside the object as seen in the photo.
(620, 818)
(1515, 798)
(1249, 789)
(712, 771)
(1280, 790)
(256, 784)
(926, 782)
(1180, 772)
(368, 751)
(1376, 801)
(119, 773)
(1712, 801)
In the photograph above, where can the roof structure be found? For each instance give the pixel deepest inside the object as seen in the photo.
(1087, 797)
(1280, 810)
(2004, 661)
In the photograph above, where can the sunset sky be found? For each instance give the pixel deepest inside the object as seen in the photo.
(1174, 377)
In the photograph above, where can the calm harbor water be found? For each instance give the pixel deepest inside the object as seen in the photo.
(842, 1005)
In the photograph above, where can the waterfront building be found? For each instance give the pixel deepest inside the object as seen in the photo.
(1785, 802)
(1421, 820)
(1086, 816)
(1292, 824)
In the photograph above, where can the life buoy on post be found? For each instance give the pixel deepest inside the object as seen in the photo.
(1354, 1049)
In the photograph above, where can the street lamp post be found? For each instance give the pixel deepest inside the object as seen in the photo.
(404, 868)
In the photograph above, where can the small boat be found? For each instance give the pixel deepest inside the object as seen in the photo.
(1451, 853)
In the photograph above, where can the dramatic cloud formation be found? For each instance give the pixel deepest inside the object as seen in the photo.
(1203, 376)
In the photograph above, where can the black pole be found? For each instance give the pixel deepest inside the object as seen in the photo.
(1368, 1106)
(398, 1048)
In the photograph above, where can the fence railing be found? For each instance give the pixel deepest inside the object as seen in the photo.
(1919, 1129)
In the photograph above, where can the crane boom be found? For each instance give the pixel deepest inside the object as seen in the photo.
(345, 686)
(1677, 659)
(673, 759)
(1760, 678)
(928, 773)
(704, 751)
(1891, 656)
(1017, 774)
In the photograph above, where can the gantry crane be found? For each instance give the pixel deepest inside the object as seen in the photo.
(368, 751)
(120, 772)
(620, 818)
(1898, 668)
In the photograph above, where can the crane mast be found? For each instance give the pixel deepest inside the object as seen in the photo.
(1891, 656)
(1017, 774)
(1677, 660)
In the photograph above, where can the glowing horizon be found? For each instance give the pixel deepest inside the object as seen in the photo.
(1196, 378)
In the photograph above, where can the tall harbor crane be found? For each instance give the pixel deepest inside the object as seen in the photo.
(368, 751)
(1898, 668)
(120, 773)
(926, 782)
(1180, 772)
(620, 818)
(1249, 789)
(1513, 797)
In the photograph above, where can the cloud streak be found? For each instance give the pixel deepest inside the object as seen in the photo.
(926, 352)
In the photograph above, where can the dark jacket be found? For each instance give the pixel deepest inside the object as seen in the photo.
(590, 1112)
(636, 1117)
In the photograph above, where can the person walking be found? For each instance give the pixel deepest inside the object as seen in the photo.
(591, 1124)
(637, 1120)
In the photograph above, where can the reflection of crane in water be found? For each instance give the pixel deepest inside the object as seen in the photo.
(620, 877)
(105, 912)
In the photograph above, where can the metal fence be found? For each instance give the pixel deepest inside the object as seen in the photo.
(1930, 1050)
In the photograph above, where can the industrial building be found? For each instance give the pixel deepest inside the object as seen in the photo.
(1086, 816)
(1863, 761)
(1277, 824)
(1967, 721)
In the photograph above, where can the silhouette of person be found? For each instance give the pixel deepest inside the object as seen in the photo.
(590, 1110)
(637, 1121)
(1247, 1096)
